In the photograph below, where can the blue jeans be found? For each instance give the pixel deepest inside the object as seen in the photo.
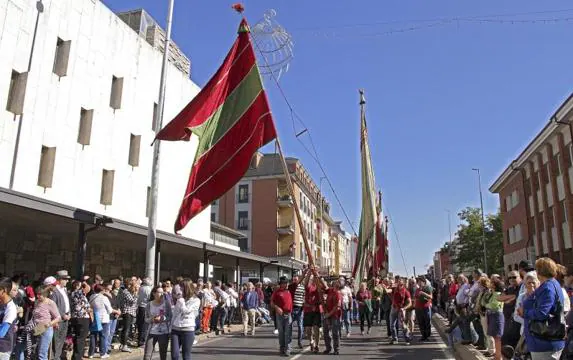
(396, 321)
(112, 328)
(43, 345)
(103, 336)
(346, 313)
(222, 314)
(284, 325)
(184, 340)
(298, 316)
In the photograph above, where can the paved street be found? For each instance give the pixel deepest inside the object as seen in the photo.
(264, 346)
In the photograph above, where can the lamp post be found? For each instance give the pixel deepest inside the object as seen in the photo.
(450, 224)
(482, 221)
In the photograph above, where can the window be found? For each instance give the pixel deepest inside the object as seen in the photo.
(154, 120)
(148, 202)
(243, 220)
(134, 145)
(85, 129)
(514, 199)
(17, 92)
(517, 230)
(213, 217)
(548, 172)
(564, 211)
(46, 172)
(558, 163)
(243, 194)
(61, 57)
(507, 203)
(570, 154)
(116, 91)
(106, 196)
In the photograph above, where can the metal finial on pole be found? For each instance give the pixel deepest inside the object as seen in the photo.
(362, 98)
(152, 223)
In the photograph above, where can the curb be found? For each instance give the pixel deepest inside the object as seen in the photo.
(116, 354)
(461, 352)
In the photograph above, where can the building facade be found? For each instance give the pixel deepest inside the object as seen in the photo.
(536, 195)
(79, 90)
(261, 207)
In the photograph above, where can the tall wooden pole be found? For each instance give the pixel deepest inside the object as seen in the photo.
(296, 208)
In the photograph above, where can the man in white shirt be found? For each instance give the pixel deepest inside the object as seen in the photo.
(346, 293)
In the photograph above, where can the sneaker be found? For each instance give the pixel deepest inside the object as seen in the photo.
(368, 331)
(362, 333)
(195, 341)
(335, 352)
(392, 342)
(407, 343)
(276, 332)
(104, 356)
(126, 349)
(348, 334)
(300, 345)
(326, 352)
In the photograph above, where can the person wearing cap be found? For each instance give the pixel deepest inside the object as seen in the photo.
(62, 300)
(281, 302)
(332, 315)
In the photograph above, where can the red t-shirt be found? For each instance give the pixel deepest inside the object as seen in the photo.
(333, 300)
(421, 301)
(363, 295)
(311, 299)
(453, 290)
(400, 297)
(282, 299)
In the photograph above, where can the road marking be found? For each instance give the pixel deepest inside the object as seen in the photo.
(300, 353)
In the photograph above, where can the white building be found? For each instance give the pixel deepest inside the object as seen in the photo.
(79, 89)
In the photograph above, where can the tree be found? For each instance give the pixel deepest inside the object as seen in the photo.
(469, 254)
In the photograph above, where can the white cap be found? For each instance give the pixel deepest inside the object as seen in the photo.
(50, 280)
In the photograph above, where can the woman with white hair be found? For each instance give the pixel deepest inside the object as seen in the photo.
(531, 282)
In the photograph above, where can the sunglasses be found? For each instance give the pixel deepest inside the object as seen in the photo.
(512, 277)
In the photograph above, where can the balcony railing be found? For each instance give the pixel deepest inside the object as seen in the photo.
(285, 201)
(243, 224)
(286, 229)
(243, 198)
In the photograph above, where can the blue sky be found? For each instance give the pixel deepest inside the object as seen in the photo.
(440, 99)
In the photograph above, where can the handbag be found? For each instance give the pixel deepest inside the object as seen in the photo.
(96, 325)
(552, 328)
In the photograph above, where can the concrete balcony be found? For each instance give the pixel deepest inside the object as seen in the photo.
(286, 229)
(285, 201)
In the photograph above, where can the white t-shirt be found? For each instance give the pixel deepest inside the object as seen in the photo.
(11, 313)
(346, 294)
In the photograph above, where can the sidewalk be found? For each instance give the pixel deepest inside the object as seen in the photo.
(461, 352)
(116, 354)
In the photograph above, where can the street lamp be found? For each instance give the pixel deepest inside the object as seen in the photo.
(482, 221)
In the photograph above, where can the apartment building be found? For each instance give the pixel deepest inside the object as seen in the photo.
(261, 207)
(79, 90)
(536, 195)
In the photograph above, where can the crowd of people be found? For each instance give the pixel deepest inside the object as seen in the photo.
(52, 317)
(524, 316)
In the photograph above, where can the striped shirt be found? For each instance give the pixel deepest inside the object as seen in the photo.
(297, 292)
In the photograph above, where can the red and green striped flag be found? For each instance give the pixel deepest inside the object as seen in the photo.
(232, 119)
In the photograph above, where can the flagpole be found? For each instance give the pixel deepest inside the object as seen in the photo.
(152, 224)
(295, 204)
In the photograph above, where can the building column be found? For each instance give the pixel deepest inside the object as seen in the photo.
(545, 205)
(81, 251)
(157, 261)
(566, 161)
(238, 272)
(557, 216)
(205, 263)
(536, 206)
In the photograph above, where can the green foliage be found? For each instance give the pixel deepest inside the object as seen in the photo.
(469, 234)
